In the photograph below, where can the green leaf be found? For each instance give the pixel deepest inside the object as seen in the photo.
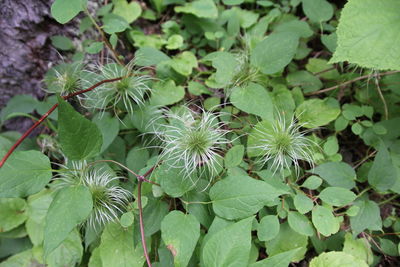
(148, 56)
(18, 104)
(237, 197)
(383, 174)
(24, 173)
(317, 112)
(298, 27)
(324, 221)
(275, 52)
(184, 63)
(79, 137)
(368, 217)
(303, 203)
(287, 240)
(173, 180)
(12, 213)
(234, 156)
(337, 196)
(118, 249)
(199, 8)
(358, 248)
(336, 259)
(305, 80)
(94, 47)
(253, 99)
(175, 41)
(63, 11)
(367, 32)
(180, 233)
(166, 93)
(279, 260)
(268, 228)
(113, 23)
(108, 126)
(62, 42)
(129, 11)
(137, 159)
(312, 182)
(229, 246)
(70, 207)
(300, 223)
(337, 174)
(225, 63)
(38, 206)
(317, 10)
(69, 253)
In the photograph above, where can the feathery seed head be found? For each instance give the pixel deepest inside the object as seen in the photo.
(109, 199)
(64, 78)
(127, 92)
(192, 141)
(281, 144)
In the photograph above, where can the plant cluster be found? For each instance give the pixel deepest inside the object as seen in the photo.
(210, 133)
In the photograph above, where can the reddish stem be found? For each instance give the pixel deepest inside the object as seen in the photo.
(34, 126)
(139, 200)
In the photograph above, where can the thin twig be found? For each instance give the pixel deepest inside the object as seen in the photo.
(378, 88)
(34, 126)
(350, 82)
(139, 200)
(105, 40)
(129, 170)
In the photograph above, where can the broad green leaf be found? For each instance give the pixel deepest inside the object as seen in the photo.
(166, 93)
(22, 259)
(199, 8)
(153, 214)
(305, 80)
(359, 248)
(12, 213)
(18, 104)
(268, 228)
(129, 11)
(137, 159)
(303, 203)
(319, 65)
(279, 260)
(237, 197)
(180, 233)
(79, 137)
(253, 99)
(337, 196)
(94, 47)
(324, 221)
(367, 32)
(225, 63)
(61, 42)
(298, 27)
(234, 156)
(336, 259)
(287, 240)
(275, 52)
(173, 180)
(113, 23)
(70, 207)
(337, 174)
(312, 182)
(109, 128)
(63, 11)
(300, 223)
(174, 42)
(24, 173)
(383, 174)
(368, 217)
(69, 253)
(317, 112)
(229, 246)
(317, 10)
(184, 63)
(148, 56)
(117, 247)
(38, 206)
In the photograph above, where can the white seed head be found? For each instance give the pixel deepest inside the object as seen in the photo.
(192, 141)
(282, 144)
(109, 200)
(64, 78)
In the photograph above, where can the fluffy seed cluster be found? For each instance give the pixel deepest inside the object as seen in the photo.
(126, 93)
(64, 78)
(192, 141)
(282, 144)
(109, 200)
